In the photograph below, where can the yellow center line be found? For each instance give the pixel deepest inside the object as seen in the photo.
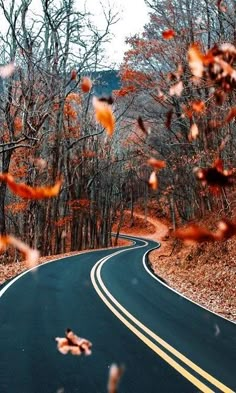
(96, 271)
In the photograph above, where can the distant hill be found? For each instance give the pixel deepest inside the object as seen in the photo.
(105, 82)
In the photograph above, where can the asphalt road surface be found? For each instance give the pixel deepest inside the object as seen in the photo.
(167, 343)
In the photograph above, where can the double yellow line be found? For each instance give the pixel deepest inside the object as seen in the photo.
(138, 328)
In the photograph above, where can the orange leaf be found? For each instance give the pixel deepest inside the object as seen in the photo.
(86, 84)
(153, 181)
(25, 191)
(168, 34)
(193, 133)
(195, 60)
(104, 115)
(194, 233)
(156, 164)
(73, 344)
(198, 106)
(115, 374)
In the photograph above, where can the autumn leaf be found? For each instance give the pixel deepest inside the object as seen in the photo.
(86, 84)
(7, 70)
(104, 115)
(198, 106)
(25, 191)
(115, 374)
(221, 6)
(168, 34)
(73, 75)
(31, 255)
(109, 100)
(73, 344)
(231, 114)
(169, 118)
(196, 233)
(214, 177)
(156, 164)
(176, 89)
(195, 60)
(142, 125)
(153, 181)
(193, 132)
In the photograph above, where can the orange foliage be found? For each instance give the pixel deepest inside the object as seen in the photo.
(62, 221)
(74, 97)
(77, 204)
(25, 191)
(18, 124)
(17, 207)
(69, 111)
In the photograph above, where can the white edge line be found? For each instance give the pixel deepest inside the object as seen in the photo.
(13, 280)
(174, 290)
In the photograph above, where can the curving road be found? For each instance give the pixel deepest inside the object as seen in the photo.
(167, 343)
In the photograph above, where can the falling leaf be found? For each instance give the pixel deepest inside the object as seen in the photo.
(176, 89)
(195, 233)
(104, 115)
(169, 118)
(153, 181)
(109, 100)
(156, 164)
(115, 374)
(231, 115)
(221, 6)
(213, 177)
(168, 34)
(25, 191)
(193, 133)
(198, 106)
(142, 125)
(195, 60)
(73, 75)
(86, 84)
(73, 344)
(7, 70)
(31, 255)
(217, 330)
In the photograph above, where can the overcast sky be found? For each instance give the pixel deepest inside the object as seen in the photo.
(133, 15)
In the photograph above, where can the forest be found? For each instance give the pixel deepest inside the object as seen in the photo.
(81, 144)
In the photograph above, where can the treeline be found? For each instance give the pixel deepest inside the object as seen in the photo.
(48, 130)
(175, 103)
(179, 77)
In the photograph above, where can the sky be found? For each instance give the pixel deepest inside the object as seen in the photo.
(133, 14)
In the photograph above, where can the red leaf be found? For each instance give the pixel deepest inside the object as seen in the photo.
(168, 34)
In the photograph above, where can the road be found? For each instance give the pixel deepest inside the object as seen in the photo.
(167, 343)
